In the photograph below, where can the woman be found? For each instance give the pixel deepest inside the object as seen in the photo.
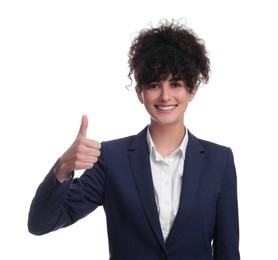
(166, 193)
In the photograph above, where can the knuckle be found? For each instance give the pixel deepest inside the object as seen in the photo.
(77, 157)
(79, 149)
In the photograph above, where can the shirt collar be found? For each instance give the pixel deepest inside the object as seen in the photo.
(181, 148)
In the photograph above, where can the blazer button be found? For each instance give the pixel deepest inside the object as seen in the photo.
(163, 256)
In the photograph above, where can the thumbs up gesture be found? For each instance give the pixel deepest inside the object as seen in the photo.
(81, 155)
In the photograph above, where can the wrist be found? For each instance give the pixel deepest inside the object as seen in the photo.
(61, 172)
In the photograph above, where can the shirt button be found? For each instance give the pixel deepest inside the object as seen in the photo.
(163, 256)
(166, 182)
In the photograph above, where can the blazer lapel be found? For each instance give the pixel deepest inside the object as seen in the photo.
(193, 167)
(140, 163)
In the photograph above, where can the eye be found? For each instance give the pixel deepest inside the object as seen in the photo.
(176, 84)
(153, 85)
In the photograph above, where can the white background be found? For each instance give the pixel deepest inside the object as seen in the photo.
(61, 59)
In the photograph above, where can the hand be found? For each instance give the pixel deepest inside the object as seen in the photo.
(81, 155)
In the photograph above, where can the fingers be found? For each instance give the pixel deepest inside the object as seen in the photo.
(85, 159)
(88, 159)
(84, 153)
(83, 165)
(83, 127)
(92, 144)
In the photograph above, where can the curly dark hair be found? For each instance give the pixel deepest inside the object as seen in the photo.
(170, 48)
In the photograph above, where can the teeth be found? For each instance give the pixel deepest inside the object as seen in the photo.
(165, 108)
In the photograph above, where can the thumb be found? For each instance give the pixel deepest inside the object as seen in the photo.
(83, 127)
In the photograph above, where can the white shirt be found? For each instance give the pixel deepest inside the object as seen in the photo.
(167, 180)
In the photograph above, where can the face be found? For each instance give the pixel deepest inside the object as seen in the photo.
(166, 101)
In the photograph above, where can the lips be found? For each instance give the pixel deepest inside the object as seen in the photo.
(166, 108)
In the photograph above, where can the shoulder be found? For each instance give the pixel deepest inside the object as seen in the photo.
(205, 143)
(124, 142)
(209, 148)
(128, 141)
(216, 155)
(208, 145)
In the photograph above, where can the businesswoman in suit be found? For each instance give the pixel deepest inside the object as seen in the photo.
(166, 193)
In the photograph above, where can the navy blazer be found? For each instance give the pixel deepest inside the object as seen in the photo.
(206, 226)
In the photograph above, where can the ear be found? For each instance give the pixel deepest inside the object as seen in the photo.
(193, 93)
(140, 95)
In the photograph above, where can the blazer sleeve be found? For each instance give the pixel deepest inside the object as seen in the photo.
(226, 233)
(57, 205)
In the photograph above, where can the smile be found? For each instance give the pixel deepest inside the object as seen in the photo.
(165, 108)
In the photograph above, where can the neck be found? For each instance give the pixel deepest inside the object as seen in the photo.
(167, 138)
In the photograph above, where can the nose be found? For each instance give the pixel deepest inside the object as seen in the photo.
(165, 93)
